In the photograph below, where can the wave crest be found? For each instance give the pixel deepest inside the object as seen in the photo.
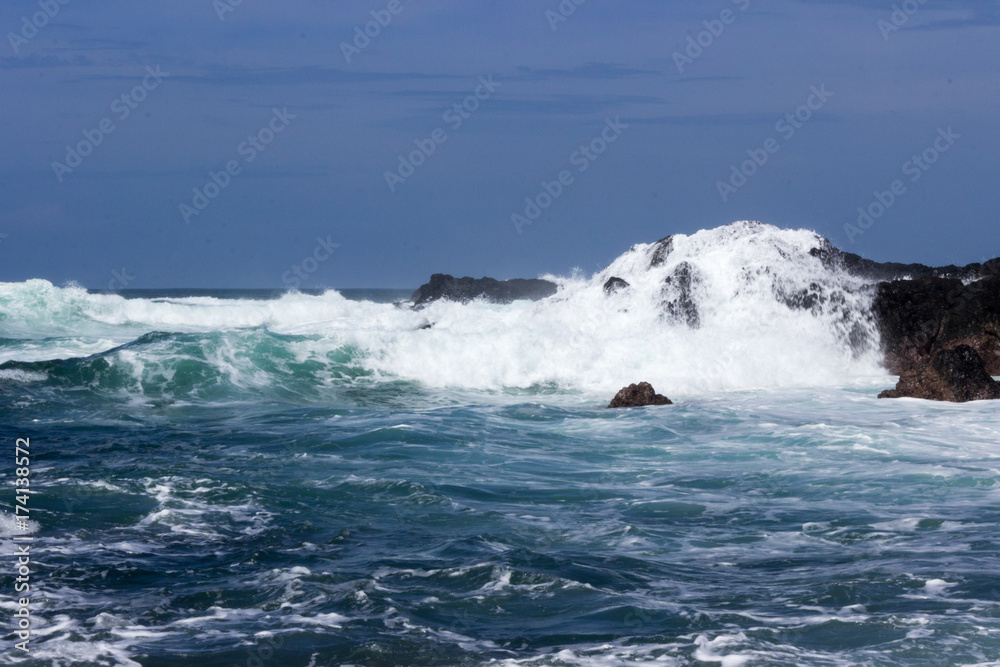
(742, 306)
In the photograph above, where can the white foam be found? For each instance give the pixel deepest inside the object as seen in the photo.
(323, 620)
(18, 375)
(581, 339)
(587, 340)
(9, 525)
(937, 586)
(709, 650)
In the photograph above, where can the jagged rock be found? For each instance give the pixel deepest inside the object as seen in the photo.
(810, 298)
(637, 395)
(916, 317)
(678, 300)
(442, 286)
(888, 271)
(956, 375)
(615, 284)
(663, 249)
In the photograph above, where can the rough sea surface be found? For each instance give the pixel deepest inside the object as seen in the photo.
(314, 479)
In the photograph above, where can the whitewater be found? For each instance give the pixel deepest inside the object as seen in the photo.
(582, 339)
(342, 479)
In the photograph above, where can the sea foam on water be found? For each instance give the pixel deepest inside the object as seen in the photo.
(738, 307)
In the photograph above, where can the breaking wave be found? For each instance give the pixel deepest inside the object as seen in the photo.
(742, 306)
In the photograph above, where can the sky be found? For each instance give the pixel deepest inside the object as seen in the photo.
(371, 143)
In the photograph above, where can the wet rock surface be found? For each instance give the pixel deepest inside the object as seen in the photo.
(615, 285)
(449, 288)
(638, 395)
(955, 375)
(678, 299)
(918, 317)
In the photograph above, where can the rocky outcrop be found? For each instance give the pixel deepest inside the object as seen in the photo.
(920, 311)
(941, 333)
(834, 258)
(450, 288)
(955, 375)
(638, 395)
(916, 318)
(940, 326)
(615, 285)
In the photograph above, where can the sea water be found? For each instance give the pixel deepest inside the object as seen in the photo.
(258, 478)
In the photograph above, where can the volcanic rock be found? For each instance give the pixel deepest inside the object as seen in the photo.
(638, 395)
(834, 258)
(615, 284)
(917, 317)
(663, 249)
(955, 375)
(450, 288)
(678, 298)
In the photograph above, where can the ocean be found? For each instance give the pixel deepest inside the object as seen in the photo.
(250, 478)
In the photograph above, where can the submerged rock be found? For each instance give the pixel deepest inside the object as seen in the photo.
(662, 250)
(638, 395)
(450, 288)
(615, 284)
(678, 297)
(955, 375)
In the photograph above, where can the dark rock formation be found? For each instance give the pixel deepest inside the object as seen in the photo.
(956, 375)
(663, 249)
(450, 288)
(637, 395)
(940, 326)
(941, 335)
(918, 317)
(615, 284)
(810, 298)
(678, 300)
(886, 271)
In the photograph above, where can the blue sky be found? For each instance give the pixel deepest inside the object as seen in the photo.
(329, 126)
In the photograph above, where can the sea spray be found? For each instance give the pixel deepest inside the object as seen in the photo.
(739, 307)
